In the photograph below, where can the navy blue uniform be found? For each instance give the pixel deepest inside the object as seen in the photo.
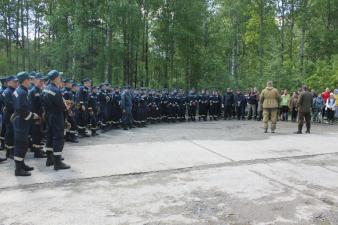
(241, 102)
(116, 109)
(172, 107)
(192, 106)
(34, 98)
(2, 104)
(182, 107)
(126, 105)
(164, 107)
(228, 102)
(93, 112)
(203, 105)
(70, 96)
(21, 121)
(103, 99)
(82, 114)
(55, 109)
(214, 103)
(8, 112)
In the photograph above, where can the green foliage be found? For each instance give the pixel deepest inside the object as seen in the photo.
(175, 44)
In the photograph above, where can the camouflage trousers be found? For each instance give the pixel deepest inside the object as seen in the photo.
(270, 114)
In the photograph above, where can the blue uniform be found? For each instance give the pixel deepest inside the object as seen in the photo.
(192, 106)
(126, 105)
(70, 96)
(34, 98)
(103, 100)
(2, 134)
(93, 112)
(82, 115)
(116, 109)
(21, 121)
(8, 112)
(203, 106)
(55, 109)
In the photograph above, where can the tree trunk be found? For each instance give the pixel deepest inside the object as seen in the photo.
(27, 35)
(23, 35)
(261, 30)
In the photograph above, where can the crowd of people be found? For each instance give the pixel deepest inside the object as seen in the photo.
(39, 113)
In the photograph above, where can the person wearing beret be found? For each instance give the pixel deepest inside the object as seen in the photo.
(34, 98)
(55, 108)
(7, 95)
(22, 119)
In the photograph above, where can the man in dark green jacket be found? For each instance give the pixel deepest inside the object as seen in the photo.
(304, 110)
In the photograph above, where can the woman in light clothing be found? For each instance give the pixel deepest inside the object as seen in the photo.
(330, 108)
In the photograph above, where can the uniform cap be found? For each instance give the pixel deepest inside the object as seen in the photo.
(53, 74)
(22, 76)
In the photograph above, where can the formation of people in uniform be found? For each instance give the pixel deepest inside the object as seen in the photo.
(39, 113)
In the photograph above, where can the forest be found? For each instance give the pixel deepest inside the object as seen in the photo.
(174, 43)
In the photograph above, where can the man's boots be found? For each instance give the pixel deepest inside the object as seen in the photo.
(38, 153)
(20, 169)
(50, 159)
(10, 153)
(58, 164)
(26, 168)
(72, 138)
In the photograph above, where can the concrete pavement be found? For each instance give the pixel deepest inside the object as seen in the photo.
(193, 173)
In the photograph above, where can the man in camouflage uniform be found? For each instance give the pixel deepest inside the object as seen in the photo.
(269, 100)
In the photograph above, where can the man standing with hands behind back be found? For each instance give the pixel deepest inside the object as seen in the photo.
(270, 100)
(304, 110)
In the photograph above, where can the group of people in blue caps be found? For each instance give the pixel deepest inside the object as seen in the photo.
(39, 113)
(30, 105)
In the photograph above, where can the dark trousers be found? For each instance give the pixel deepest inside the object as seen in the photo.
(127, 117)
(330, 115)
(240, 112)
(284, 113)
(21, 132)
(301, 117)
(82, 121)
(294, 115)
(55, 133)
(228, 112)
(93, 121)
(36, 135)
(192, 112)
(2, 134)
(9, 133)
(73, 126)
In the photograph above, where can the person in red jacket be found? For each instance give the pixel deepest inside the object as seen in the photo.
(325, 96)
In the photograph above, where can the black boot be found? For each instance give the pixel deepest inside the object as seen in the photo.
(58, 164)
(2, 159)
(26, 168)
(39, 154)
(50, 159)
(10, 153)
(19, 169)
(94, 133)
(2, 145)
(73, 139)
